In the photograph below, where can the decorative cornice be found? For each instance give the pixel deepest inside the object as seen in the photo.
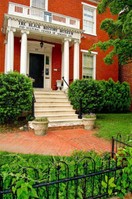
(47, 24)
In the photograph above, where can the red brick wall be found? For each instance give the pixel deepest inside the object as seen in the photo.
(4, 9)
(72, 8)
(56, 65)
(103, 71)
(126, 74)
(17, 49)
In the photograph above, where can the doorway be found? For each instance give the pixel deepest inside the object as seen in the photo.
(36, 69)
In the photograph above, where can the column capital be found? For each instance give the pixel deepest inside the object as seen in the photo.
(25, 31)
(76, 41)
(10, 29)
(67, 39)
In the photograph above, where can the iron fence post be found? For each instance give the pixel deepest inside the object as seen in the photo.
(113, 143)
(1, 187)
(33, 101)
(80, 109)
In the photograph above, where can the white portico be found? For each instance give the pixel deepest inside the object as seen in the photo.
(32, 27)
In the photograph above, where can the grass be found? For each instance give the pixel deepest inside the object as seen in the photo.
(108, 125)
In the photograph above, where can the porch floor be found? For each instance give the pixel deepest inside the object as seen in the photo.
(58, 142)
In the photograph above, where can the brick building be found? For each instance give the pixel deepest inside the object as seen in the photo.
(126, 74)
(48, 39)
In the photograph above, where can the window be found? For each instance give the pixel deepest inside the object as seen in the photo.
(88, 66)
(89, 19)
(42, 4)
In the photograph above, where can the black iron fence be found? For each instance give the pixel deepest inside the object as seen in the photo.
(120, 142)
(86, 178)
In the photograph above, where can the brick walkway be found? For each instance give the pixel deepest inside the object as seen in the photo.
(59, 142)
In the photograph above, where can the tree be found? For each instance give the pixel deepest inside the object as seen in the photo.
(119, 30)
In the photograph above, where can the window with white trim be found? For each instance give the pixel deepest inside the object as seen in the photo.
(89, 19)
(42, 4)
(88, 66)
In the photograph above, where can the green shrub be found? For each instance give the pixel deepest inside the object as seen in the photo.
(124, 184)
(91, 93)
(116, 96)
(100, 96)
(15, 96)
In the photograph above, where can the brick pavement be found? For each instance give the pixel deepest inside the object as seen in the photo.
(58, 142)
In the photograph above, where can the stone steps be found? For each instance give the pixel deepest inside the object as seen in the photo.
(56, 107)
(53, 112)
(51, 100)
(58, 117)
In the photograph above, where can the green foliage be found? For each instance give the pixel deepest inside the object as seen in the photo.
(15, 96)
(116, 96)
(22, 172)
(124, 185)
(91, 115)
(91, 93)
(119, 30)
(123, 180)
(41, 119)
(20, 175)
(108, 183)
(100, 96)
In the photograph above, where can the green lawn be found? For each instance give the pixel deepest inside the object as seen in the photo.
(108, 125)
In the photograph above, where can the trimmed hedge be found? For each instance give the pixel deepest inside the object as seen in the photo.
(100, 96)
(117, 96)
(15, 96)
(91, 93)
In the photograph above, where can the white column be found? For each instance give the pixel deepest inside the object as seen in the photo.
(76, 60)
(23, 60)
(66, 63)
(62, 61)
(6, 46)
(10, 50)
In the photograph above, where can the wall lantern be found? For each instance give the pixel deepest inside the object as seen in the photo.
(41, 44)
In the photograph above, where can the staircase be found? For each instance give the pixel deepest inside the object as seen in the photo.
(56, 107)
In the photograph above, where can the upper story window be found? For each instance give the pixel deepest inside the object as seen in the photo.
(41, 4)
(89, 19)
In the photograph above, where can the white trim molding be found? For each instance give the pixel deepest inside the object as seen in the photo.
(92, 52)
(87, 4)
(94, 1)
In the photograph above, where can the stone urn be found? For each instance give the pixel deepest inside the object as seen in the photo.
(89, 121)
(40, 125)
